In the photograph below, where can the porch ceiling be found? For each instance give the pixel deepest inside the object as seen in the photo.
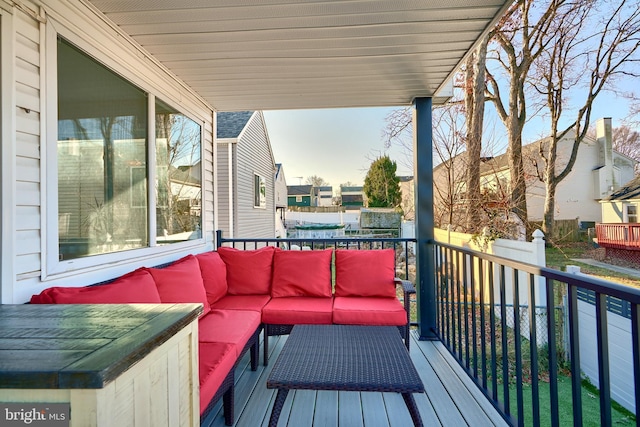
(293, 54)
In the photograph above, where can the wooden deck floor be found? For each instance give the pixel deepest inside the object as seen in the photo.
(451, 398)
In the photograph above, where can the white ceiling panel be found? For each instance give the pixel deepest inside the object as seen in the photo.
(291, 54)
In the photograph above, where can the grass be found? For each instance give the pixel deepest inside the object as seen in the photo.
(590, 405)
(560, 256)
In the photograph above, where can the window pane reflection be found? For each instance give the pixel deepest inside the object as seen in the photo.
(179, 176)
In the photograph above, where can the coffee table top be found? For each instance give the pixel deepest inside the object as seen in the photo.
(345, 357)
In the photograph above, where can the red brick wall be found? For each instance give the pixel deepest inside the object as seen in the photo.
(630, 256)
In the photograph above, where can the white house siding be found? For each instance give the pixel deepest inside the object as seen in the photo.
(254, 157)
(30, 30)
(575, 194)
(27, 154)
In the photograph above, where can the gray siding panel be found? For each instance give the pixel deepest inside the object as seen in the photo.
(254, 157)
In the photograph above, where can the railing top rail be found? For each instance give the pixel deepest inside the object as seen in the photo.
(321, 240)
(617, 290)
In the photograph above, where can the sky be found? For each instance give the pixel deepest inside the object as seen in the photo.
(339, 145)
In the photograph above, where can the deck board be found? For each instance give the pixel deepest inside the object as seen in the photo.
(451, 398)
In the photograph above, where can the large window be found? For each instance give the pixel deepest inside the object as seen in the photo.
(178, 189)
(103, 173)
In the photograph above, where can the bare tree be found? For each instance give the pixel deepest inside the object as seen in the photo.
(474, 99)
(316, 181)
(523, 35)
(583, 38)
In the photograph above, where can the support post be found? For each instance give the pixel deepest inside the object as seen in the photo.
(423, 182)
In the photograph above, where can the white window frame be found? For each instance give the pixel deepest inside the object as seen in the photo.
(52, 268)
(627, 215)
(262, 202)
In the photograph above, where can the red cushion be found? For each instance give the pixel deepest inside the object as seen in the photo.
(298, 311)
(301, 273)
(248, 272)
(229, 326)
(241, 302)
(368, 311)
(216, 360)
(214, 275)
(135, 287)
(181, 282)
(365, 273)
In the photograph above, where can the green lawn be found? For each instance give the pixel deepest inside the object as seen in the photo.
(561, 256)
(590, 405)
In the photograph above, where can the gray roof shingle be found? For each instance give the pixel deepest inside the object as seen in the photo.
(230, 124)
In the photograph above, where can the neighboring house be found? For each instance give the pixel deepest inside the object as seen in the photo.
(280, 190)
(299, 195)
(598, 171)
(407, 188)
(619, 232)
(352, 197)
(280, 200)
(323, 196)
(246, 175)
(623, 205)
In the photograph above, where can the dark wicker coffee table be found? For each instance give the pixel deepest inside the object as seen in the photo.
(345, 358)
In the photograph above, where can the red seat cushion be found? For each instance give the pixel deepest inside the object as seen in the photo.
(241, 302)
(135, 287)
(298, 311)
(214, 275)
(228, 326)
(365, 273)
(216, 360)
(301, 273)
(248, 272)
(368, 311)
(181, 282)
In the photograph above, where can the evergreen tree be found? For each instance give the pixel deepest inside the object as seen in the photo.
(381, 185)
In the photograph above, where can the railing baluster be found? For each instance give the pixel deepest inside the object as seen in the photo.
(518, 345)
(553, 355)
(505, 342)
(465, 298)
(533, 349)
(492, 317)
(603, 359)
(474, 322)
(483, 339)
(447, 290)
(635, 344)
(458, 299)
(574, 348)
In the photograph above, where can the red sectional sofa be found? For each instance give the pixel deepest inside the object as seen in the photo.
(246, 291)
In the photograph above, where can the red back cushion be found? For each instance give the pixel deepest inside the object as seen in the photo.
(181, 282)
(301, 273)
(248, 272)
(365, 273)
(214, 275)
(132, 288)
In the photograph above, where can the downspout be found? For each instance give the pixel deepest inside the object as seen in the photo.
(423, 171)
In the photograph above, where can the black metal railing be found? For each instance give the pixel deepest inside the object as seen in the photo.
(481, 321)
(404, 247)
